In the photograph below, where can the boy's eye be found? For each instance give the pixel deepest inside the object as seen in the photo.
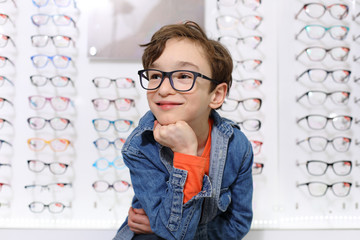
(155, 76)
(183, 75)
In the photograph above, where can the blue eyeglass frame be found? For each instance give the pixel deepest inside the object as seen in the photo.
(55, 2)
(110, 163)
(51, 58)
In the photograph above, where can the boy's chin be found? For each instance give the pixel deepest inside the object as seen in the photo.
(167, 121)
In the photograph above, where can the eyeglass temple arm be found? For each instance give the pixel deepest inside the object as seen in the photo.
(302, 74)
(297, 35)
(297, 15)
(297, 56)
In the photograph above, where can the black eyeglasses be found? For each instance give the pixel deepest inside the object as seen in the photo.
(318, 189)
(320, 75)
(180, 80)
(319, 168)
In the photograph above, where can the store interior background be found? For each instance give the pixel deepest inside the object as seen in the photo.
(281, 210)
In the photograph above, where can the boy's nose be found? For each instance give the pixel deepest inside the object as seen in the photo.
(166, 87)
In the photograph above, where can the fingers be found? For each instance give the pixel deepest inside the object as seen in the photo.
(139, 222)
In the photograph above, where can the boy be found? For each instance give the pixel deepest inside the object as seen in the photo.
(190, 168)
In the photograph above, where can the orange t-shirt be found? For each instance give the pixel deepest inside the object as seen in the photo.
(196, 166)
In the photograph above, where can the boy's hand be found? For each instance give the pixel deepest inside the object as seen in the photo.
(178, 136)
(138, 221)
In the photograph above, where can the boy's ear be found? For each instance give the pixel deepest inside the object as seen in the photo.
(218, 96)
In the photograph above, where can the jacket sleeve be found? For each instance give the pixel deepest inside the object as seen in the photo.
(160, 193)
(234, 222)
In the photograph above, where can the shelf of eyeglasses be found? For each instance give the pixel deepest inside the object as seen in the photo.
(319, 143)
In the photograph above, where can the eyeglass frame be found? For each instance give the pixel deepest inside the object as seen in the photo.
(111, 185)
(326, 29)
(169, 76)
(327, 51)
(327, 187)
(48, 206)
(328, 72)
(6, 59)
(4, 141)
(109, 143)
(112, 80)
(327, 120)
(110, 163)
(51, 37)
(51, 59)
(48, 142)
(47, 165)
(327, 95)
(327, 166)
(49, 99)
(47, 1)
(326, 8)
(69, 80)
(52, 17)
(68, 122)
(349, 140)
(113, 123)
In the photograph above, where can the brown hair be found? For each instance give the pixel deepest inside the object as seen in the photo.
(218, 56)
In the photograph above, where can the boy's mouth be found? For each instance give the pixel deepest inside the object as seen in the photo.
(167, 105)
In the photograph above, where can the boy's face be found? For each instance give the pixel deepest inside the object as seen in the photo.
(169, 105)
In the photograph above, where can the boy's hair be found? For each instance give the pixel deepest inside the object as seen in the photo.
(220, 60)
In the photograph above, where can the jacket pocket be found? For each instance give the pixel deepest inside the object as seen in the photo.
(225, 199)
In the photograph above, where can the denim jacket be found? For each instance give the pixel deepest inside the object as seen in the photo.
(222, 210)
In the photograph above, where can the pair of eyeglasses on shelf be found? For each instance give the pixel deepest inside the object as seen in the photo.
(4, 60)
(4, 39)
(61, 20)
(13, 1)
(120, 125)
(227, 22)
(317, 10)
(2, 142)
(58, 103)
(256, 146)
(318, 122)
(58, 61)
(249, 83)
(318, 54)
(53, 207)
(56, 81)
(121, 82)
(58, 186)
(3, 121)
(56, 144)
(319, 75)
(249, 104)
(316, 97)
(59, 41)
(56, 123)
(104, 163)
(248, 64)
(317, 32)
(4, 79)
(121, 104)
(319, 143)
(252, 4)
(56, 168)
(257, 168)
(58, 3)
(4, 18)
(319, 167)
(251, 125)
(118, 186)
(252, 41)
(319, 189)
(104, 143)
(3, 101)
